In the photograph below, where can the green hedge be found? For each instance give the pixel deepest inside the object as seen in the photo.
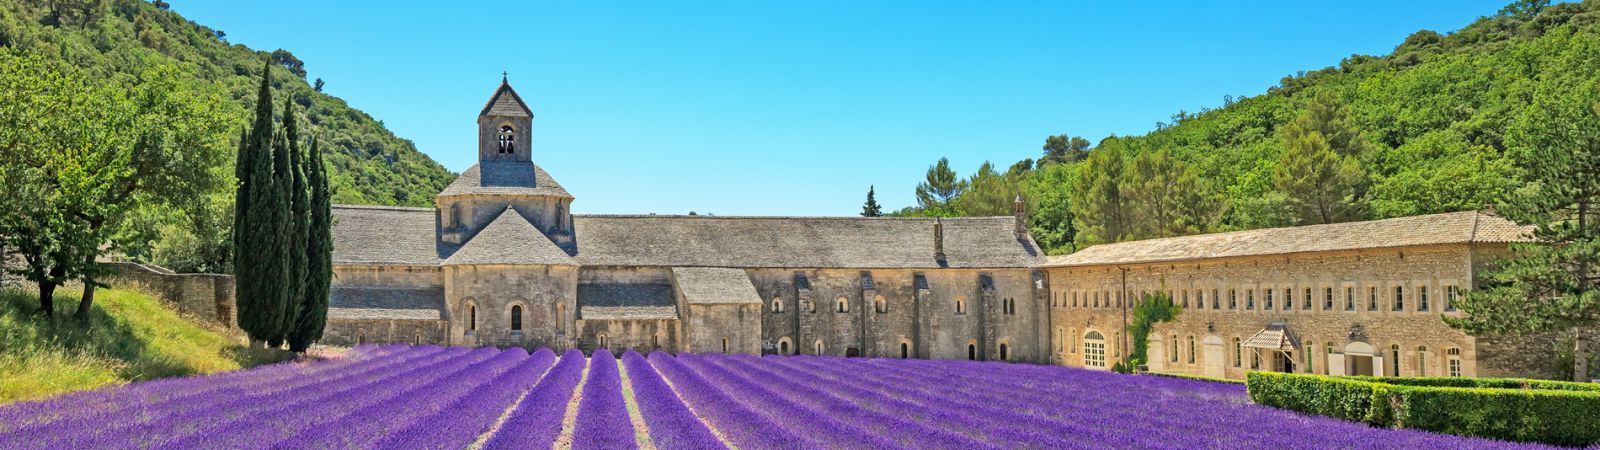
(1194, 377)
(1549, 412)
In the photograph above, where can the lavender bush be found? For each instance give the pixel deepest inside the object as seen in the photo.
(400, 396)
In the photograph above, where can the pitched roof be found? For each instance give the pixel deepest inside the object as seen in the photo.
(1432, 229)
(506, 177)
(389, 235)
(711, 285)
(505, 102)
(510, 239)
(626, 301)
(386, 303)
(384, 235)
(1275, 336)
(798, 242)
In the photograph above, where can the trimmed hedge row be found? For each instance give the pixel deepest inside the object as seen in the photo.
(1553, 413)
(1499, 383)
(1194, 377)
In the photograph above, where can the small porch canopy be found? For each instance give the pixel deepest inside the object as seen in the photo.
(1276, 336)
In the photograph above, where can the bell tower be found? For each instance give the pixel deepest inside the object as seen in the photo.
(503, 127)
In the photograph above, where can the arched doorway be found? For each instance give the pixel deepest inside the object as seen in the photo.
(972, 352)
(1004, 354)
(905, 350)
(1359, 358)
(1213, 360)
(1094, 350)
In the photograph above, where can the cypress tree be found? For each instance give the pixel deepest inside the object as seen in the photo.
(254, 260)
(299, 223)
(319, 252)
(277, 214)
(871, 208)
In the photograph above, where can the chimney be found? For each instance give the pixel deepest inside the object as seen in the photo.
(1019, 210)
(938, 239)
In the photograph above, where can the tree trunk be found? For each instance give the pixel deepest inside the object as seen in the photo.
(88, 299)
(47, 301)
(1580, 357)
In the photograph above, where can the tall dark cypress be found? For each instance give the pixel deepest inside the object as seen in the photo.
(319, 252)
(257, 303)
(298, 226)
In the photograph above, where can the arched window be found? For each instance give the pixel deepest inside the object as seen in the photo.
(724, 345)
(1173, 357)
(1094, 350)
(1004, 356)
(777, 305)
(1191, 349)
(455, 216)
(972, 352)
(818, 346)
(1394, 355)
(601, 341)
(1422, 361)
(842, 305)
(361, 338)
(508, 140)
(516, 318)
(1452, 363)
(905, 350)
(472, 317)
(961, 306)
(783, 347)
(880, 304)
(418, 339)
(655, 340)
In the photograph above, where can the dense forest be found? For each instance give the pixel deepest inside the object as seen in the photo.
(116, 42)
(1431, 127)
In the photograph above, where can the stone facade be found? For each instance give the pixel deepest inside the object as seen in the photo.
(203, 296)
(500, 260)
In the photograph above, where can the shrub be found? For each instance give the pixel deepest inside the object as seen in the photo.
(1195, 377)
(1551, 412)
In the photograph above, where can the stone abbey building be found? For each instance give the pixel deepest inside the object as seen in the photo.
(500, 260)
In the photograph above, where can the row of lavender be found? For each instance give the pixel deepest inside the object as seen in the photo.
(435, 397)
(828, 402)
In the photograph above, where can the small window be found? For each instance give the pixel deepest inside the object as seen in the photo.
(1399, 298)
(361, 338)
(1327, 299)
(961, 306)
(972, 352)
(601, 341)
(1310, 366)
(880, 305)
(516, 318)
(724, 345)
(1200, 299)
(1004, 356)
(1185, 298)
(507, 139)
(841, 305)
(777, 305)
(1238, 352)
(1372, 298)
(1250, 298)
(1233, 299)
(783, 347)
(1191, 349)
(1422, 298)
(1422, 361)
(867, 283)
(1452, 357)
(1268, 300)
(818, 346)
(1307, 300)
(1450, 298)
(655, 340)
(1349, 298)
(472, 318)
(1216, 302)
(417, 339)
(1394, 357)
(1174, 356)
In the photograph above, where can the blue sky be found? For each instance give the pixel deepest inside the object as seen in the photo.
(794, 108)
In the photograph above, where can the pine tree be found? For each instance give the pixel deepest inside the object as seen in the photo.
(1321, 185)
(299, 217)
(319, 252)
(872, 208)
(1099, 204)
(1549, 287)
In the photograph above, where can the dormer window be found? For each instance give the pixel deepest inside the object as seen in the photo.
(508, 138)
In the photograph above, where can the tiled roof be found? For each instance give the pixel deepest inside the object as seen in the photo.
(1275, 336)
(506, 177)
(626, 301)
(386, 302)
(505, 102)
(1433, 229)
(384, 235)
(711, 285)
(798, 242)
(510, 239)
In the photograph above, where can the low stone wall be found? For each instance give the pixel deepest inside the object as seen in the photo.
(205, 296)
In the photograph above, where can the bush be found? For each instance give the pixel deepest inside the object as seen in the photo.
(1551, 412)
(1194, 377)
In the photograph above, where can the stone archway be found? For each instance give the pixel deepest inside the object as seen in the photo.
(1359, 358)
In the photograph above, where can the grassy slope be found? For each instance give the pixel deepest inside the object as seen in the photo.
(129, 337)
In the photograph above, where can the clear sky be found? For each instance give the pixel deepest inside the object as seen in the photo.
(794, 108)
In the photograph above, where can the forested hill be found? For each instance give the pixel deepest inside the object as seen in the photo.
(106, 39)
(1433, 126)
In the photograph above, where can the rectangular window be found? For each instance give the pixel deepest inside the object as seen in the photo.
(1308, 300)
(1216, 300)
(1349, 298)
(1327, 299)
(1191, 349)
(1399, 298)
(1268, 300)
(1372, 298)
(1422, 298)
(1250, 299)
(1200, 299)
(1288, 299)
(1174, 357)
(1449, 298)
(1185, 298)
(1233, 299)
(1238, 352)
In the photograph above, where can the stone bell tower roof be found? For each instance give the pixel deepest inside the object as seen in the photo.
(505, 103)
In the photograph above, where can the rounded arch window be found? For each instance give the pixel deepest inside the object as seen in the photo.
(600, 341)
(777, 305)
(783, 346)
(905, 350)
(1005, 354)
(818, 346)
(516, 318)
(507, 138)
(881, 304)
(361, 338)
(842, 305)
(472, 317)
(724, 345)
(972, 352)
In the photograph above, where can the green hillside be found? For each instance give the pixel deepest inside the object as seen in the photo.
(129, 337)
(114, 41)
(1435, 122)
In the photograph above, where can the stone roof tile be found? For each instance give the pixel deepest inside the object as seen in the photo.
(510, 239)
(1432, 229)
(712, 285)
(505, 102)
(505, 177)
(618, 301)
(384, 235)
(386, 302)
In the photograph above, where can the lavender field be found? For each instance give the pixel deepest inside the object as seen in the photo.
(401, 396)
